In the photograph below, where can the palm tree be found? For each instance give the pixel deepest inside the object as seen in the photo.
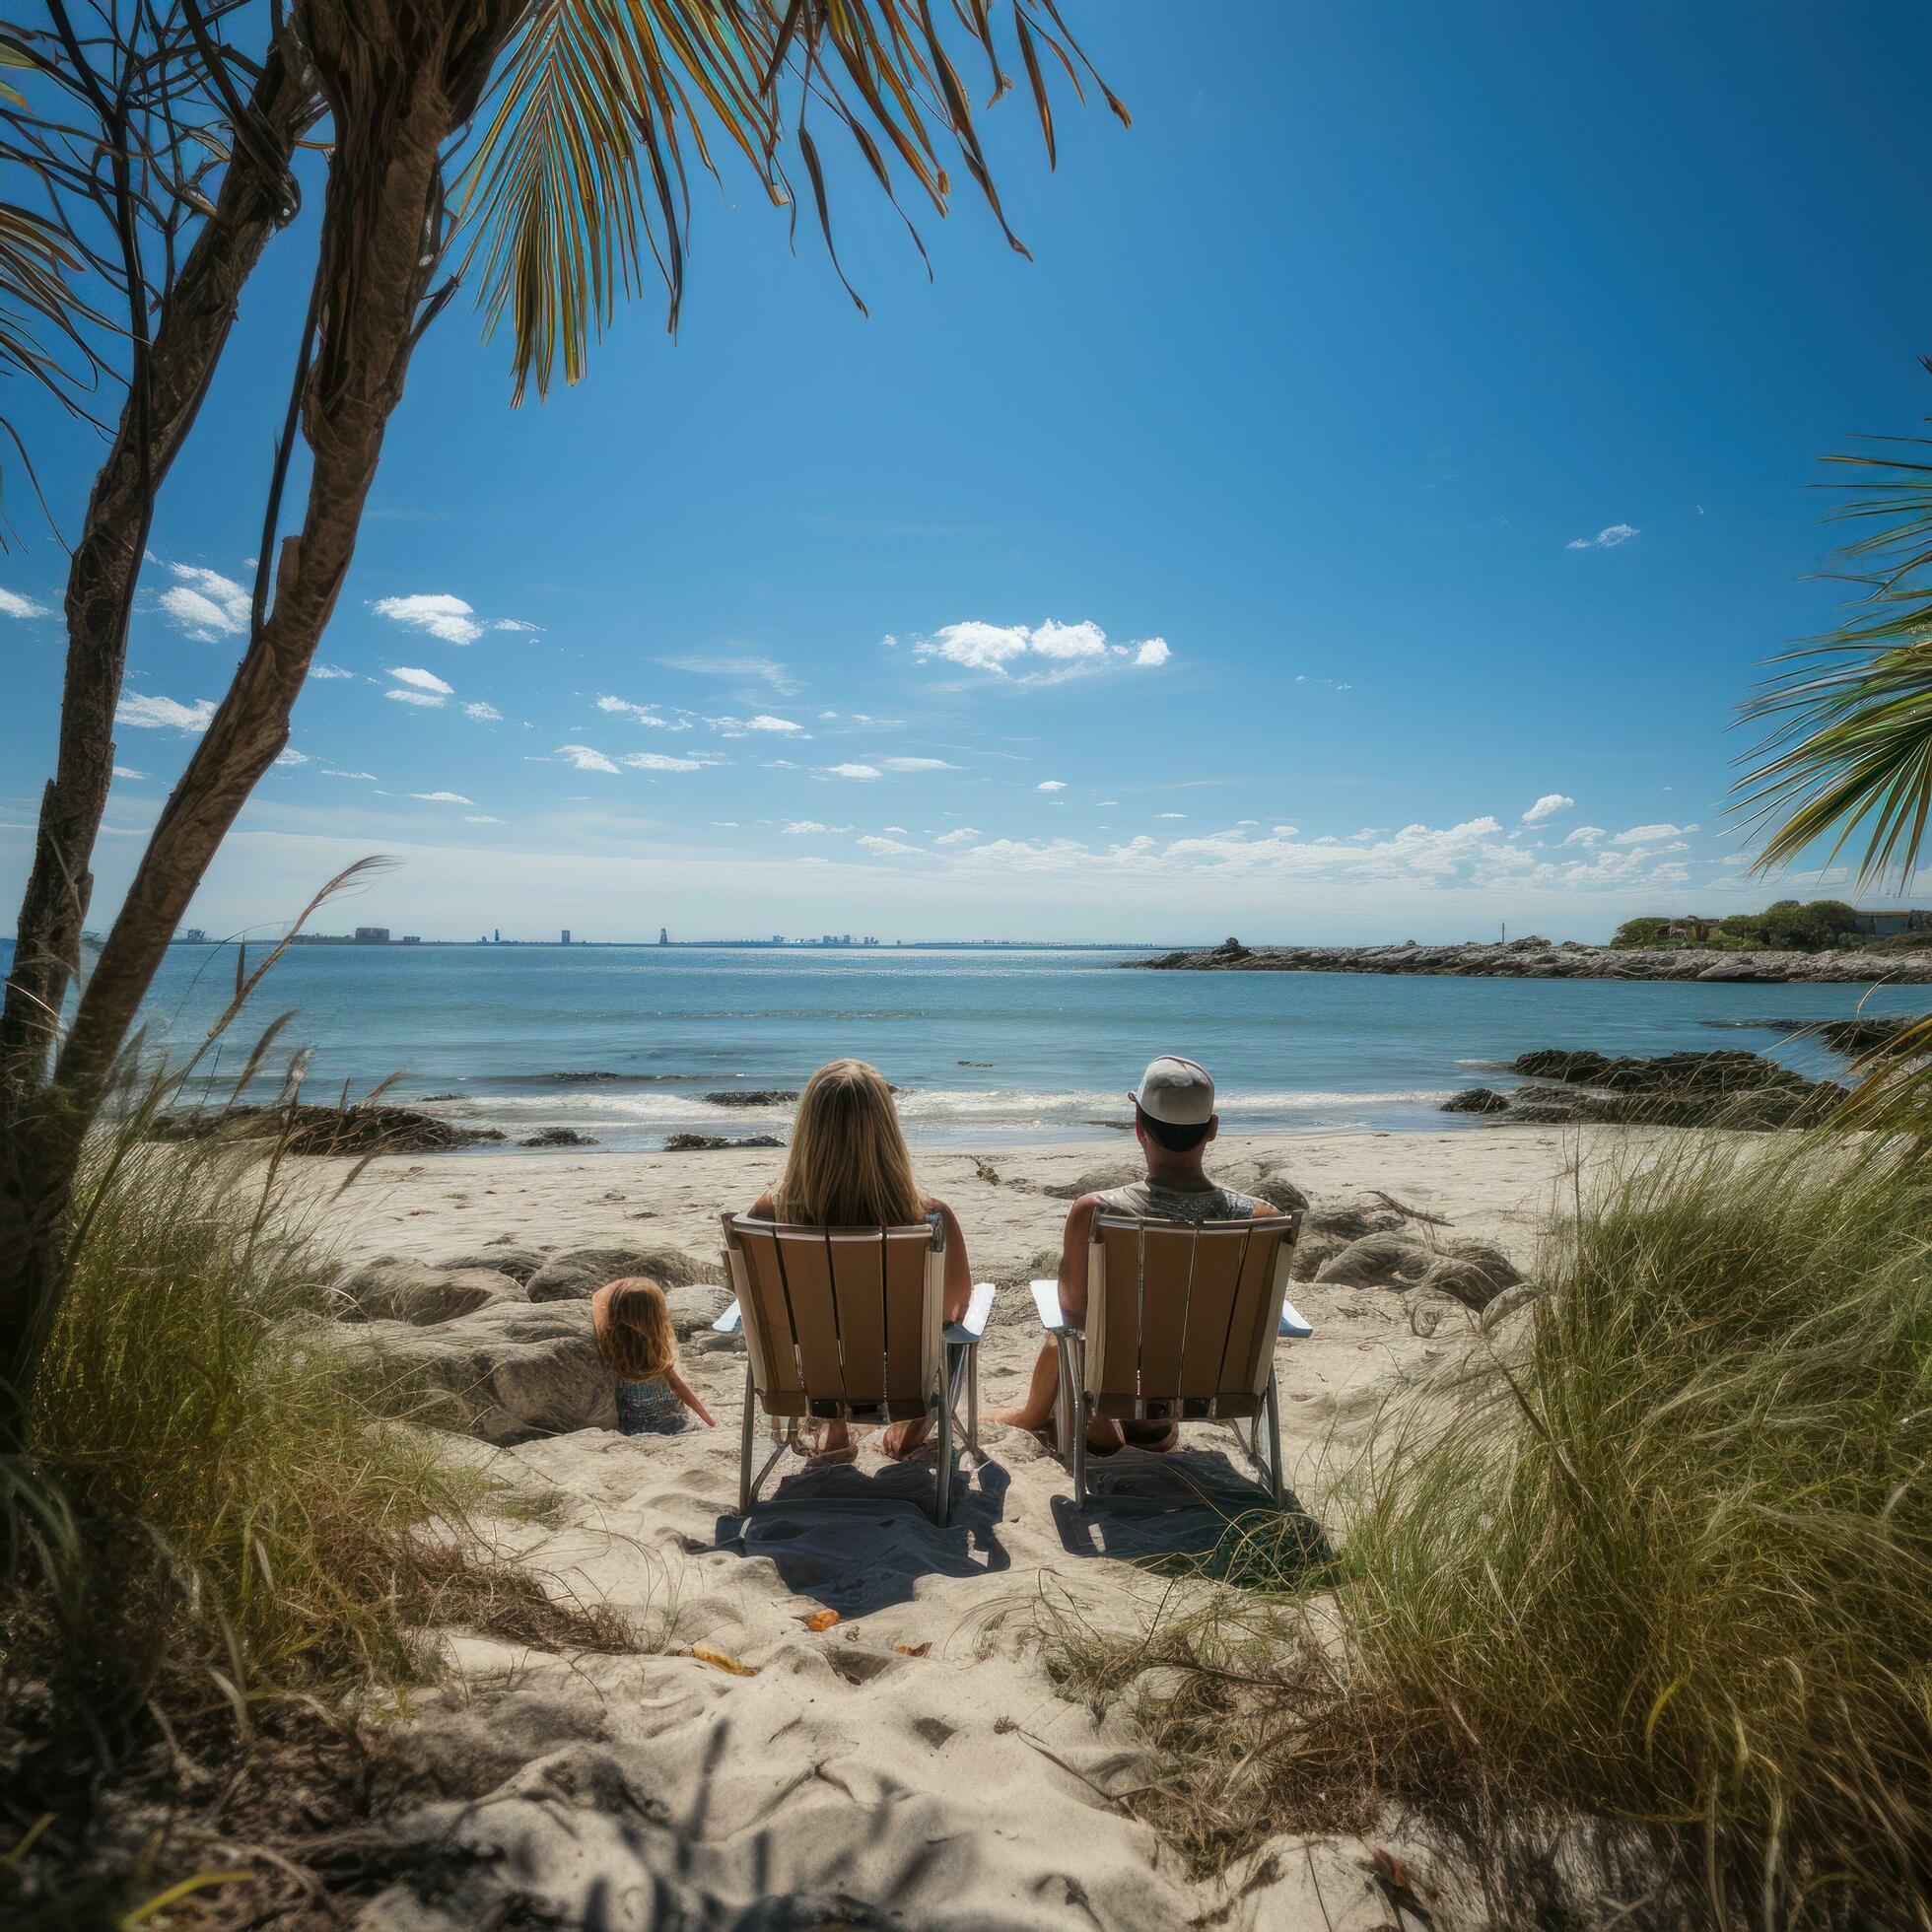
(1849, 752)
(594, 116)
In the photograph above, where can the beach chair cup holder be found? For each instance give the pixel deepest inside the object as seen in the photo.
(1181, 1325)
(847, 1324)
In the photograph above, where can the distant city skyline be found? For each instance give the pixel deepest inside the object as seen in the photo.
(1358, 522)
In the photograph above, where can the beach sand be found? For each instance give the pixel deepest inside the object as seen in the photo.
(912, 1764)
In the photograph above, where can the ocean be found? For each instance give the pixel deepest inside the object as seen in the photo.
(624, 1043)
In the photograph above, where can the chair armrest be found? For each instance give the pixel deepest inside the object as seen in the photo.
(1294, 1322)
(1046, 1298)
(727, 1322)
(966, 1332)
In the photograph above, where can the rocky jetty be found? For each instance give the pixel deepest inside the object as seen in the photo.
(1672, 1089)
(1866, 1033)
(326, 1129)
(1541, 960)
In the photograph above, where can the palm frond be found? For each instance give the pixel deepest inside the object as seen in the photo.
(582, 172)
(1849, 748)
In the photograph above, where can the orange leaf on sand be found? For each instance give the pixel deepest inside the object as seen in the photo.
(820, 1619)
(721, 1660)
(913, 1649)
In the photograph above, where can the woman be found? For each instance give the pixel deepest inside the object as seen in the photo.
(847, 1167)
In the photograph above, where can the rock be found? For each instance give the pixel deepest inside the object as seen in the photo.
(1476, 1100)
(578, 1275)
(325, 1130)
(1537, 958)
(519, 1263)
(1555, 1063)
(391, 1289)
(694, 1307)
(505, 1373)
(1379, 1260)
(559, 1137)
(753, 1096)
(1471, 1272)
(698, 1144)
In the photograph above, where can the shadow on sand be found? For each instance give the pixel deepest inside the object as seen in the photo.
(857, 1539)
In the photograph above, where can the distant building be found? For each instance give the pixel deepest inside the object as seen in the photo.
(191, 935)
(372, 935)
(495, 936)
(1891, 922)
(663, 935)
(565, 936)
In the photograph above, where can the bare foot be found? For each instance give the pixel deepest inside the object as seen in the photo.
(822, 1441)
(905, 1438)
(1022, 1418)
(1158, 1438)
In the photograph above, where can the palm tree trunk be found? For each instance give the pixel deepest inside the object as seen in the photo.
(400, 76)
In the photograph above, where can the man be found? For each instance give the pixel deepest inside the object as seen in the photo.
(1174, 1120)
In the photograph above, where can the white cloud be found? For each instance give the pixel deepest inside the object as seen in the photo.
(1171, 814)
(423, 680)
(206, 605)
(480, 818)
(1285, 830)
(324, 672)
(809, 827)
(1547, 806)
(642, 714)
(738, 727)
(1607, 538)
(428, 699)
(329, 771)
(959, 836)
(900, 829)
(888, 848)
(437, 612)
(585, 758)
(1669, 874)
(916, 764)
(735, 664)
(513, 624)
(1638, 835)
(852, 771)
(146, 713)
(128, 770)
(12, 604)
(1072, 650)
(1327, 683)
(1050, 784)
(657, 761)
(1587, 835)
(484, 714)
(289, 755)
(443, 797)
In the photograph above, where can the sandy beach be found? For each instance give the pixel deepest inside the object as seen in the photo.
(912, 1764)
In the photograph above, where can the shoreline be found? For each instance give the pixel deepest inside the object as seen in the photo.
(1570, 960)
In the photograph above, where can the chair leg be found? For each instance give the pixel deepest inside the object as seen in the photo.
(1079, 1458)
(744, 1452)
(1275, 1445)
(942, 1498)
(972, 1399)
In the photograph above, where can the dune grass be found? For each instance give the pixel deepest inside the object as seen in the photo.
(1644, 1612)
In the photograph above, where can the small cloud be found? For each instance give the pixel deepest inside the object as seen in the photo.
(852, 771)
(1050, 784)
(437, 612)
(150, 714)
(427, 699)
(1073, 650)
(657, 761)
(443, 797)
(900, 829)
(738, 727)
(1152, 652)
(324, 672)
(1586, 834)
(1650, 833)
(480, 818)
(515, 624)
(289, 755)
(642, 714)
(916, 764)
(206, 605)
(12, 604)
(800, 828)
(128, 770)
(826, 716)
(735, 664)
(422, 680)
(1326, 683)
(484, 714)
(1607, 538)
(1285, 830)
(888, 848)
(1547, 806)
(1171, 814)
(959, 836)
(329, 771)
(585, 759)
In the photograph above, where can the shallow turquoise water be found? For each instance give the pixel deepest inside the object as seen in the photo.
(993, 1044)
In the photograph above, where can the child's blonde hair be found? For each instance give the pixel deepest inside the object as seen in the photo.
(637, 1342)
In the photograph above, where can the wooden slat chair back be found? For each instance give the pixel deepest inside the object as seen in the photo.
(846, 1324)
(1181, 1324)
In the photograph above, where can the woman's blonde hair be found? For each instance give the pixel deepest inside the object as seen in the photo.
(637, 1341)
(847, 1165)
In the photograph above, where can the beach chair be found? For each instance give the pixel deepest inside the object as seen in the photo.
(843, 1324)
(1181, 1325)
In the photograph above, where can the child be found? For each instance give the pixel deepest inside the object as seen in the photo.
(633, 1327)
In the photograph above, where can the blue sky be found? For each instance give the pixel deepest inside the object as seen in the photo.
(1359, 520)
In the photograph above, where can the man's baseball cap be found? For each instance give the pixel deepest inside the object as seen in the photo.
(1179, 1092)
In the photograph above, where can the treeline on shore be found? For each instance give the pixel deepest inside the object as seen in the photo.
(1784, 925)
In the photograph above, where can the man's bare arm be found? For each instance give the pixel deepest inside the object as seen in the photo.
(1074, 1259)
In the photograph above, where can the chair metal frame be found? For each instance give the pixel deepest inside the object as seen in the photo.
(1221, 1371)
(813, 1341)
